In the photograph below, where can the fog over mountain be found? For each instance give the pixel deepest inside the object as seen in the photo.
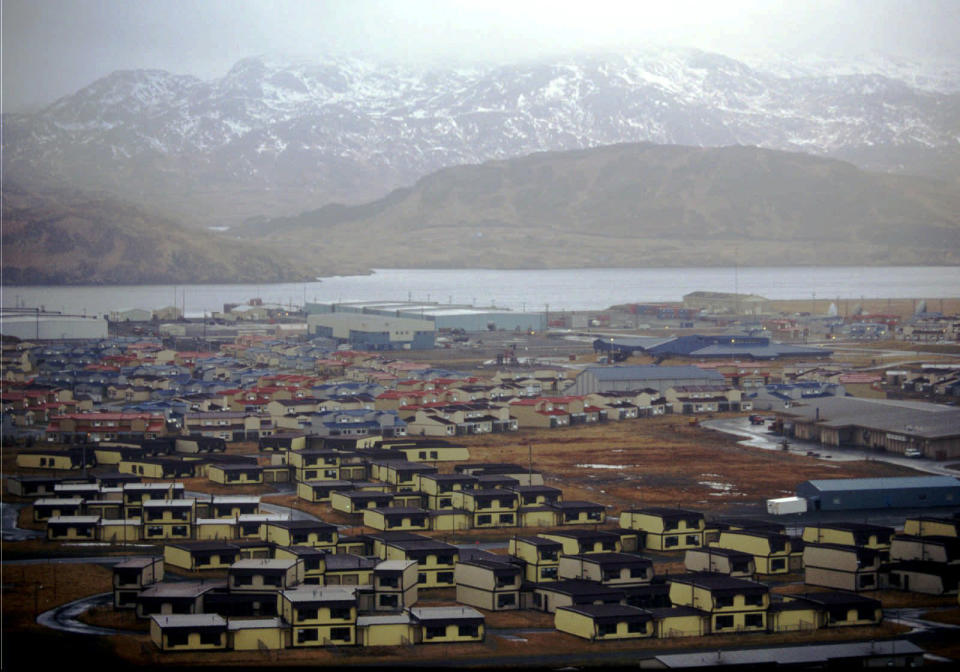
(276, 136)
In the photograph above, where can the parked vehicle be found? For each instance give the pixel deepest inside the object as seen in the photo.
(785, 505)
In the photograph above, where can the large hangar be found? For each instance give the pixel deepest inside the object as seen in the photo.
(595, 379)
(444, 316)
(840, 494)
(48, 327)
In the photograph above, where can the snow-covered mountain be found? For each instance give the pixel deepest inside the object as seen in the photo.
(278, 136)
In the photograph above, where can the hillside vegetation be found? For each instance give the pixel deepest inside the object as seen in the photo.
(640, 205)
(71, 237)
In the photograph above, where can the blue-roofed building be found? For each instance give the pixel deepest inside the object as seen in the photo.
(698, 346)
(837, 494)
(597, 379)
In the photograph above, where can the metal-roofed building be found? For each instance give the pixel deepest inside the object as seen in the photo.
(443, 316)
(629, 378)
(880, 424)
(835, 494)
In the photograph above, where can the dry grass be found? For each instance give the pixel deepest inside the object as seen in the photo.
(898, 599)
(949, 616)
(118, 619)
(32, 589)
(662, 461)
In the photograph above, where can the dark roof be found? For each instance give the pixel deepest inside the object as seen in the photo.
(603, 612)
(854, 527)
(613, 560)
(201, 546)
(719, 582)
(837, 598)
(579, 588)
(302, 524)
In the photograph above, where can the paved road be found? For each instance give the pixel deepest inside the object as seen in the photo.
(64, 617)
(9, 530)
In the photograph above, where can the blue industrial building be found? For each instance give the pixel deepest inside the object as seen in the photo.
(739, 346)
(840, 494)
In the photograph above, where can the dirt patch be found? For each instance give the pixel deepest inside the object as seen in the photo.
(949, 616)
(118, 619)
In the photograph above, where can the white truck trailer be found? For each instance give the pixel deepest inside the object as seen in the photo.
(785, 505)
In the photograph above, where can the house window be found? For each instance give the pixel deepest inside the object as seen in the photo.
(753, 600)
(504, 581)
(468, 630)
(722, 601)
(865, 614)
(242, 580)
(753, 620)
(444, 577)
(340, 634)
(178, 638)
(548, 572)
(155, 531)
(506, 518)
(693, 540)
(307, 635)
(867, 580)
(483, 519)
(635, 627)
(778, 563)
(390, 601)
(211, 638)
(670, 542)
(604, 629)
(508, 600)
(339, 613)
(445, 503)
(179, 531)
(435, 631)
(638, 572)
(271, 581)
(43, 461)
(570, 516)
(307, 614)
(390, 581)
(724, 622)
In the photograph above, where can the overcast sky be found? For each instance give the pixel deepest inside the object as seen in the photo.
(54, 47)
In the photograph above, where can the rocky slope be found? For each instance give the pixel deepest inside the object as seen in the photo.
(278, 137)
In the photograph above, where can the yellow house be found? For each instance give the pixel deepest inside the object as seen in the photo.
(447, 625)
(734, 605)
(258, 634)
(720, 560)
(401, 474)
(395, 585)
(168, 519)
(135, 494)
(54, 507)
(666, 529)
(679, 622)
(579, 513)
(770, 551)
(133, 575)
(320, 491)
(188, 632)
(602, 622)
(538, 495)
(609, 569)
(230, 506)
(348, 569)
(877, 537)
(577, 542)
(450, 520)
(359, 500)
(926, 526)
(844, 567)
(435, 560)
(119, 530)
(196, 556)
(794, 616)
(385, 630)
(438, 489)
(400, 518)
(313, 559)
(839, 608)
(490, 508)
(264, 574)
(435, 453)
(552, 595)
(177, 597)
(73, 528)
(302, 533)
(541, 557)
(316, 465)
(491, 585)
(52, 458)
(235, 474)
(319, 616)
(215, 529)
